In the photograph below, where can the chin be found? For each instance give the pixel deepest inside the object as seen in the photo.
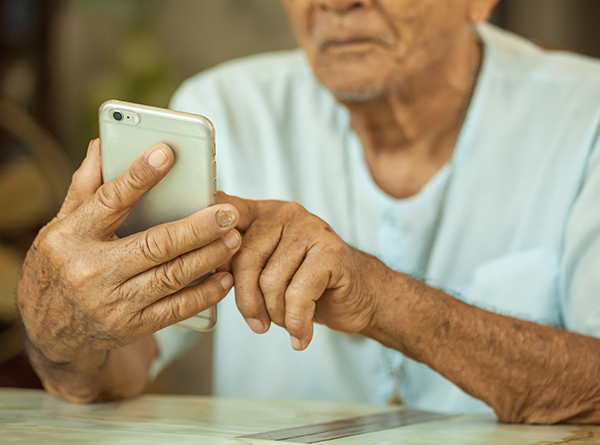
(365, 95)
(352, 80)
(347, 88)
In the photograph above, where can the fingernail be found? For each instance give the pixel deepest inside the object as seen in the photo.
(157, 158)
(296, 344)
(227, 281)
(256, 325)
(225, 218)
(232, 240)
(90, 147)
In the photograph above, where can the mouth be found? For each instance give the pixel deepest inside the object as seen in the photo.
(346, 41)
(352, 44)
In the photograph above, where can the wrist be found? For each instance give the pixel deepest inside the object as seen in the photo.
(379, 290)
(49, 334)
(392, 303)
(59, 355)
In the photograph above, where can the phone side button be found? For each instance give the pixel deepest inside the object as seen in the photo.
(215, 186)
(214, 149)
(214, 169)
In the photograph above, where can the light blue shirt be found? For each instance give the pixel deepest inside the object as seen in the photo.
(519, 235)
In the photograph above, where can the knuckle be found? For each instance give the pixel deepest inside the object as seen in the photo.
(110, 197)
(157, 244)
(297, 311)
(200, 301)
(197, 234)
(172, 275)
(206, 228)
(144, 320)
(114, 194)
(52, 246)
(293, 320)
(175, 310)
(297, 302)
(332, 250)
(293, 295)
(267, 281)
(186, 306)
(125, 301)
(341, 252)
(137, 176)
(75, 177)
(48, 241)
(293, 208)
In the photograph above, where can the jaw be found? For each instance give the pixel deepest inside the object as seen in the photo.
(372, 72)
(356, 76)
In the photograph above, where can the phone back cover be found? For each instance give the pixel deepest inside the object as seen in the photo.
(188, 187)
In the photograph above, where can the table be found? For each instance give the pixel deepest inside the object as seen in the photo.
(33, 417)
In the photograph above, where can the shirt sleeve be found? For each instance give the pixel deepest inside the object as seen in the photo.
(579, 279)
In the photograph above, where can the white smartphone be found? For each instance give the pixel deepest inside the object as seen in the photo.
(126, 131)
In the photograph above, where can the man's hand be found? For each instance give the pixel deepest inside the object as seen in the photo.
(83, 291)
(293, 269)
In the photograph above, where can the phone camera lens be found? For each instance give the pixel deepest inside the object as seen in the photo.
(118, 116)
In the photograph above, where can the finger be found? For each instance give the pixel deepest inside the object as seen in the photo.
(249, 210)
(278, 273)
(107, 209)
(86, 180)
(157, 245)
(226, 267)
(257, 246)
(171, 277)
(307, 286)
(186, 303)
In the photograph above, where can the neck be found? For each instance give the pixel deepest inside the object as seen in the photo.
(424, 112)
(409, 133)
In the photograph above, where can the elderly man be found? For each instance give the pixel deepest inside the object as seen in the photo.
(455, 172)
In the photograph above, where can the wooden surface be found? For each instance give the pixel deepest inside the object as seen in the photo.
(32, 417)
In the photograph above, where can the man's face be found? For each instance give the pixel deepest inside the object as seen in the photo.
(359, 49)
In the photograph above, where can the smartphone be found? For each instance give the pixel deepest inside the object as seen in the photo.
(126, 131)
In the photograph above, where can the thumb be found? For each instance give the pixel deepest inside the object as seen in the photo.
(106, 210)
(249, 210)
(86, 180)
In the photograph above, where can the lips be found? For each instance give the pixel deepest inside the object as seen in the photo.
(347, 36)
(342, 43)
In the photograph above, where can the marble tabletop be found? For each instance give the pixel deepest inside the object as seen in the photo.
(33, 417)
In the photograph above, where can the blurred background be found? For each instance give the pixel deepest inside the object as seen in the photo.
(60, 59)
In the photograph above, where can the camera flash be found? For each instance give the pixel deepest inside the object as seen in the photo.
(136, 119)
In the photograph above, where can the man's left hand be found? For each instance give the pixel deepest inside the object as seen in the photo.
(293, 270)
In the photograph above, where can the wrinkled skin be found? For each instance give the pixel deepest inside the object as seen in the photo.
(404, 70)
(84, 292)
(293, 269)
(363, 49)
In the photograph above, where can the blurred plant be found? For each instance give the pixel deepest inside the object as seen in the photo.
(141, 71)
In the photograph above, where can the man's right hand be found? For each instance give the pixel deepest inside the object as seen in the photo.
(83, 291)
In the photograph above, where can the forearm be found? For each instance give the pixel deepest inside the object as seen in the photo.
(525, 371)
(96, 376)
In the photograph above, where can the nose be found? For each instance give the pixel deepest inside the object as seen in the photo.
(342, 6)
